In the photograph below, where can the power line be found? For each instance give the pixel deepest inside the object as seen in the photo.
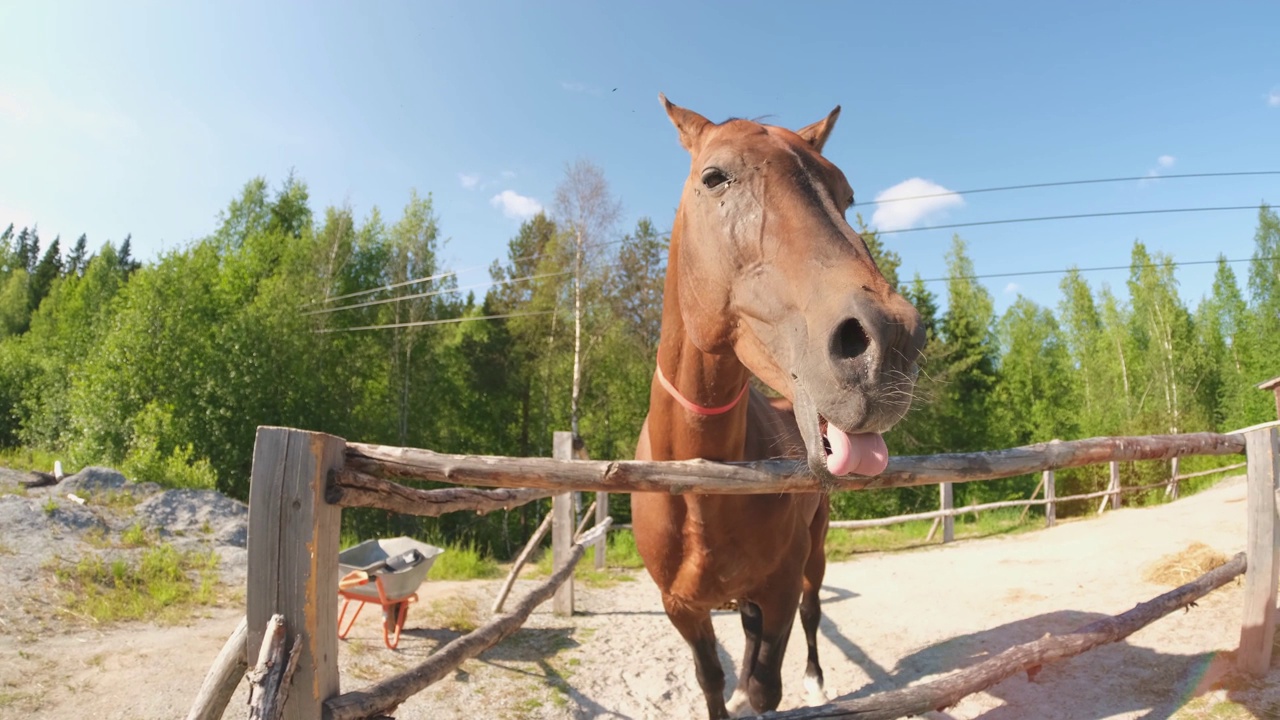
(446, 321)
(1090, 269)
(392, 286)
(1130, 266)
(1063, 183)
(431, 293)
(1070, 217)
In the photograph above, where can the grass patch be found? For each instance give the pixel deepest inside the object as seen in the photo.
(24, 458)
(1183, 567)
(463, 562)
(620, 554)
(135, 536)
(50, 506)
(459, 614)
(114, 500)
(163, 584)
(843, 544)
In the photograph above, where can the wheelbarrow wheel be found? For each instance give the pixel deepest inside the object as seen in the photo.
(393, 621)
(391, 616)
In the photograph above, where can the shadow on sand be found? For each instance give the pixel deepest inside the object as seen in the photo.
(1136, 680)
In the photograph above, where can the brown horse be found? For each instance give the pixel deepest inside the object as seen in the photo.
(765, 278)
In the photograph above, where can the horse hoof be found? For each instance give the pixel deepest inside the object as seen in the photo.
(815, 693)
(739, 705)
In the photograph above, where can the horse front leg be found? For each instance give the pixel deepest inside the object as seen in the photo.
(815, 569)
(696, 628)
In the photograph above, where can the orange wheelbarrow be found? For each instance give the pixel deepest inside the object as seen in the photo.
(386, 571)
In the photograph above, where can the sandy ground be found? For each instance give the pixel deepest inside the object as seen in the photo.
(890, 619)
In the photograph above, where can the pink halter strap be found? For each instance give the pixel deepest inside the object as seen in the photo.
(693, 407)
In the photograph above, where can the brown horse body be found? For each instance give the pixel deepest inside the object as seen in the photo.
(764, 278)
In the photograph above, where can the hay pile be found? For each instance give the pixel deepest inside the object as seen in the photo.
(1181, 568)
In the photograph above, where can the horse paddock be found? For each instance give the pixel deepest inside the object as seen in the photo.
(890, 619)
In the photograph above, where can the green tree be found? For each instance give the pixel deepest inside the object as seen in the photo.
(48, 270)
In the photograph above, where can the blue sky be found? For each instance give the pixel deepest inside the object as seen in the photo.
(147, 118)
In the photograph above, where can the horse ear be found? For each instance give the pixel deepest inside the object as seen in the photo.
(690, 124)
(817, 133)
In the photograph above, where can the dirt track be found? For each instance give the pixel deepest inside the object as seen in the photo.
(890, 620)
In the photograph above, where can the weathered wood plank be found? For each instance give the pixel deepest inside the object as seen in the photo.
(949, 518)
(562, 527)
(769, 476)
(293, 557)
(1051, 498)
(223, 678)
(272, 678)
(1257, 630)
(386, 695)
(1211, 471)
(602, 512)
(357, 489)
(938, 514)
(947, 691)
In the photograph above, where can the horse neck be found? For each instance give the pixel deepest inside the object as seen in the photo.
(706, 379)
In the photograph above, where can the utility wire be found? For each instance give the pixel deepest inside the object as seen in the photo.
(1063, 183)
(432, 293)
(928, 280)
(392, 286)
(1091, 269)
(1070, 217)
(446, 321)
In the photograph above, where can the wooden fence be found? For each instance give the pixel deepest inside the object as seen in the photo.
(301, 480)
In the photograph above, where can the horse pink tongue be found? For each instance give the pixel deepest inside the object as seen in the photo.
(860, 454)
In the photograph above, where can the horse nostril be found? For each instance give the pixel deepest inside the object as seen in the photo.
(850, 340)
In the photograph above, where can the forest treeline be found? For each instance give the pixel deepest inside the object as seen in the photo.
(353, 326)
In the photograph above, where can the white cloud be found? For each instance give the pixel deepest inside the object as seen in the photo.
(469, 180)
(1012, 288)
(903, 214)
(1164, 162)
(1273, 97)
(577, 87)
(516, 206)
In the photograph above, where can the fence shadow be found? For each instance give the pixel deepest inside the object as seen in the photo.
(1137, 679)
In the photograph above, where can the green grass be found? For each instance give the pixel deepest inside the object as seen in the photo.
(134, 536)
(50, 506)
(24, 458)
(463, 562)
(843, 544)
(163, 585)
(620, 557)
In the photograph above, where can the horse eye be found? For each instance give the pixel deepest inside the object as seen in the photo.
(713, 178)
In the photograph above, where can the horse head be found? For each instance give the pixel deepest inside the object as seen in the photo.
(771, 271)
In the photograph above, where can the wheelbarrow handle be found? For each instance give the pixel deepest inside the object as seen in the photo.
(355, 578)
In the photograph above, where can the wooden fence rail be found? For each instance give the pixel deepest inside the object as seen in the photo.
(1050, 501)
(767, 476)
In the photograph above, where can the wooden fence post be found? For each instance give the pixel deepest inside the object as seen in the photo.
(1113, 489)
(948, 522)
(293, 557)
(562, 526)
(1172, 490)
(602, 512)
(1115, 485)
(1050, 499)
(1263, 552)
